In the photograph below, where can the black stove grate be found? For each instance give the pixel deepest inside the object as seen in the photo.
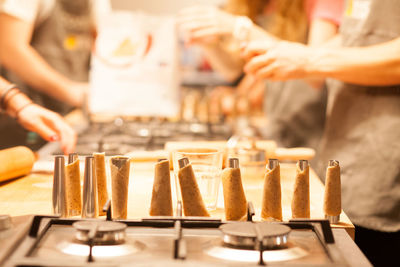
(320, 227)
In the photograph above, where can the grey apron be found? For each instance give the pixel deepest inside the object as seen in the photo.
(64, 40)
(295, 113)
(363, 126)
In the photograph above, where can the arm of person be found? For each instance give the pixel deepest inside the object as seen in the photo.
(225, 56)
(215, 31)
(18, 55)
(254, 92)
(375, 65)
(48, 124)
(322, 33)
(99, 12)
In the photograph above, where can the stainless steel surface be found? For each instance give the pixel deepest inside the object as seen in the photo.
(59, 203)
(303, 164)
(348, 248)
(11, 237)
(272, 163)
(179, 209)
(233, 163)
(333, 162)
(107, 232)
(180, 242)
(5, 222)
(244, 235)
(183, 162)
(72, 157)
(152, 246)
(333, 219)
(89, 204)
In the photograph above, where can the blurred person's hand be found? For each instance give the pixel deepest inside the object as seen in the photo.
(49, 125)
(256, 98)
(76, 93)
(277, 60)
(222, 100)
(205, 24)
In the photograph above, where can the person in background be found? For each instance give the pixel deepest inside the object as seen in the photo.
(45, 48)
(363, 117)
(220, 34)
(48, 124)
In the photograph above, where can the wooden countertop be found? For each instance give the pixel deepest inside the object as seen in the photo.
(32, 194)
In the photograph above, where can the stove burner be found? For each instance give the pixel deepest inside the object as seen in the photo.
(291, 252)
(107, 233)
(103, 251)
(51, 242)
(244, 235)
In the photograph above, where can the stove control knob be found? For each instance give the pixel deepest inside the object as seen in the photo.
(5, 222)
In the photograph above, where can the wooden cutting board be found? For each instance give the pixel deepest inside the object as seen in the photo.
(32, 194)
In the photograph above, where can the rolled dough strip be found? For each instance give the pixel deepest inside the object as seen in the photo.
(119, 184)
(161, 199)
(193, 204)
(73, 189)
(234, 197)
(332, 196)
(301, 194)
(272, 203)
(100, 171)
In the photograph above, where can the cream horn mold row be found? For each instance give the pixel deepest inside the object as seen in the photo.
(100, 172)
(271, 202)
(234, 197)
(161, 199)
(193, 204)
(332, 196)
(58, 197)
(89, 206)
(73, 186)
(120, 167)
(301, 193)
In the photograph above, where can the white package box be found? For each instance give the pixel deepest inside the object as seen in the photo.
(134, 69)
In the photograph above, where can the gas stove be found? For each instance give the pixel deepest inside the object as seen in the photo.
(175, 241)
(123, 136)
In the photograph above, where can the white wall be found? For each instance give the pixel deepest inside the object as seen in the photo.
(160, 6)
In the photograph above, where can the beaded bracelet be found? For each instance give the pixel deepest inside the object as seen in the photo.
(10, 96)
(4, 94)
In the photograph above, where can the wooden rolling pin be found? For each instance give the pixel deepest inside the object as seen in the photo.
(15, 162)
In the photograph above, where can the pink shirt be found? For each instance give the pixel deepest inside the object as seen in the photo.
(331, 10)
